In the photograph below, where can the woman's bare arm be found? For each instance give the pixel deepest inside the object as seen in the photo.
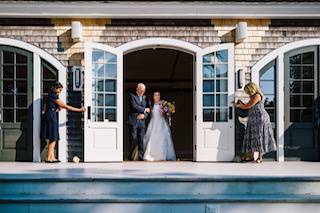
(253, 101)
(61, 104)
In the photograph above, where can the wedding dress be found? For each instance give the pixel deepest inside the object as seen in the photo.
(158, 144)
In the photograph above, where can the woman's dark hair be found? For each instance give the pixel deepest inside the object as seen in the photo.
(56, 85)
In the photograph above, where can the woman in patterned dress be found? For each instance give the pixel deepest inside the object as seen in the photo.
(258, 135)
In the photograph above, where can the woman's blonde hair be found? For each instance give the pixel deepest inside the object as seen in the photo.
(252, 89)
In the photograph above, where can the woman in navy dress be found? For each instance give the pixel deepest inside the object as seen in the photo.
(51, 123)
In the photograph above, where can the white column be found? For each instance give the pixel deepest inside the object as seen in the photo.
(36, 107)
(280, 108)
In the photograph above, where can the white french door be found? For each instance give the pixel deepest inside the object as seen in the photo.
(103, 99)
(215, 139)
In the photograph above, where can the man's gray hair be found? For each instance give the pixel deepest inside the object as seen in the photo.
(141, 85)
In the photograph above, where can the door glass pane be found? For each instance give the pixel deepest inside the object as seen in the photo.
(215, 86)
(307, 72)
(110, 100)
(221, 114)
(295, 59)
(269, 101)
(22, 86)
(21, 59)
(98, 85)
(295, 72)
(97, 56)
(294, 86)
(22, 115)
(8, 57)
(308, 87)
(98, 70)
(111, 70)
(308, 58)
(208, 100)
(208, 86)
(8, 115)
(8, 86)
(8, 71)
(104, 73)
(46, 86)
(267, 87)
(7, 100)
(98, 114)
(48, 73)
(22, 71)
(98, 99)
(110, 114)
(307, 115)
(267, 74)
(110, 85)
(222, 70)
(208, 71)
(110, 58)
(208, 59)
(307, 100)
(22, 100)
(222, 56)
(222, 100)
(208, 115)
(294, 115)
(295, 101)
(222, 85)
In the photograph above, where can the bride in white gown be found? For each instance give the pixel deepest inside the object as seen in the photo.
(158, 144)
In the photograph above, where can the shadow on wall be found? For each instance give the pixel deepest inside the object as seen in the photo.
(24, 144)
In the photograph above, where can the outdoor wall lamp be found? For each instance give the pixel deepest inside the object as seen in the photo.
(241, 31)
(76, 31)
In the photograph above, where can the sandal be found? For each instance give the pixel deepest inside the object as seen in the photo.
(258, 161)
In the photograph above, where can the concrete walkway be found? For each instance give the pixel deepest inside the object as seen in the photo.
(161, 170)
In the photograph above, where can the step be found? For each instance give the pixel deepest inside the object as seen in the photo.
(160, 187)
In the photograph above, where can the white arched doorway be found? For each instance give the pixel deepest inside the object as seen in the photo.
(37, 56)
(278, 61)
(212, 139)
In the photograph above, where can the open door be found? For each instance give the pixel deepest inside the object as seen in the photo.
(215, 140)
(103, 100)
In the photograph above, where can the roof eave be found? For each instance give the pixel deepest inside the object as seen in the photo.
(195, 10)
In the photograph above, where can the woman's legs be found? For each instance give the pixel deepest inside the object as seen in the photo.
(248, 156)
(50, 156)
(259, 160)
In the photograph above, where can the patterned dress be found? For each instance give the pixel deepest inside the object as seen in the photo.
(258, 136)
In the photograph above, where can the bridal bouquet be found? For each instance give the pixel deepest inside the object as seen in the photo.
(168, 109)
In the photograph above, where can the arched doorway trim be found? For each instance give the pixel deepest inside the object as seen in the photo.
(39, 54)
(279, 55)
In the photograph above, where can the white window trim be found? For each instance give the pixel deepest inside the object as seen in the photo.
(278, 55)
(159, 42)
(37, 55)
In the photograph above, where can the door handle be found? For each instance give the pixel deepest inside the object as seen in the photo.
(89, 113)
(230, 112)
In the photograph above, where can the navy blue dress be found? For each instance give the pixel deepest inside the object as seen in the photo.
(51, 119)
